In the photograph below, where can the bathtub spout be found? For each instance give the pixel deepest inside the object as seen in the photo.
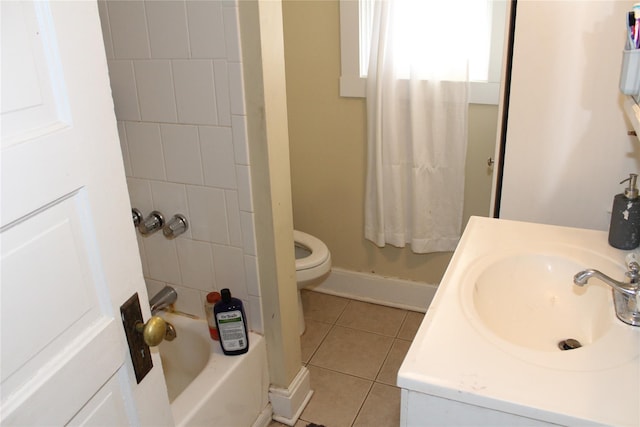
(163, 299)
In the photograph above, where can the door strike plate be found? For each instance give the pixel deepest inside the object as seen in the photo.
(140, 354)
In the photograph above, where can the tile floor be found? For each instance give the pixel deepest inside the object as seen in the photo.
(353, 351)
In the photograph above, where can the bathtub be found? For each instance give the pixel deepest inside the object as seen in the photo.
(205, 387)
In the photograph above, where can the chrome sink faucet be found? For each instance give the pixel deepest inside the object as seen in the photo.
(626, 296)
(163, 299)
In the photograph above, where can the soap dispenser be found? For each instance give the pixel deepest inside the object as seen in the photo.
(624, 230)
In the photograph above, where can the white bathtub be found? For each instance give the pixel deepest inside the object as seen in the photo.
(206, 387)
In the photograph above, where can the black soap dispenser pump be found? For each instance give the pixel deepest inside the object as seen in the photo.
(624, 230)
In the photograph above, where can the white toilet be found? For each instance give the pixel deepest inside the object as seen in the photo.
(313, 262)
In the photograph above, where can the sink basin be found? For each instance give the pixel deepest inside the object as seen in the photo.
(525, 302)
(529, 299)
(487, 348)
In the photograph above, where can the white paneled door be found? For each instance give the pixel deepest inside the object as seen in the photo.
(69, 255)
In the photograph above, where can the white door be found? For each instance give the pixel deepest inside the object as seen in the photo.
(69, 255)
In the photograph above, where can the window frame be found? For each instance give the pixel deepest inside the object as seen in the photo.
(352, 85)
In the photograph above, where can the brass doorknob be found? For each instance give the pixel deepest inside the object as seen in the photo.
(153, 331)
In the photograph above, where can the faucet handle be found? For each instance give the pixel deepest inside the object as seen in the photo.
(633, 261)
(152, 223)
(175, 227)
(633, 267)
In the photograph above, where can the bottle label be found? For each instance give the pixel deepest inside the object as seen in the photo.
(231, 330)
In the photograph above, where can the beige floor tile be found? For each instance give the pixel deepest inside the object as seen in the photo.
(410, 326)
(322, 307)
(372, 318)
(392, 363)
(313, 335)
(337, 398)
(352, 352)
(381, 409)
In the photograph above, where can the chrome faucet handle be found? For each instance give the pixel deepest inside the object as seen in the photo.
(152, 223)
(633, 267)
(633, 275)
(175, 227)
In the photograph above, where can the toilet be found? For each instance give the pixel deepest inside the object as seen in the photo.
(313, 262)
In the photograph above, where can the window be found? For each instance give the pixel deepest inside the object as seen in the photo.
(355, 28)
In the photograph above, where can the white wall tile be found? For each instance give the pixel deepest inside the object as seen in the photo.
(240, 141)
(196, 264)
(140, 195)
(216, 144)
(162, 258)
(248, 233)
(128, 29)
(206, 29)
(122, 135)
(189, 300)
(150, 45)
(233, 217)
(232, 32)
(208, 216)
(182, 153)
(155, 91)
(236, 88)
(170, 199)
(168, 35)
(123, 89)
(243, 174)
(221, 80)
(251, 275)
(145, 150)
(255, 314)
(143, 255)
(228, 264)
(195, 92)
(153, 287)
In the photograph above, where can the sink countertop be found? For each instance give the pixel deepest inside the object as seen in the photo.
(454, 356)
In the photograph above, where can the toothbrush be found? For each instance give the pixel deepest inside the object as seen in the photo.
(636, 27)
(631, 22)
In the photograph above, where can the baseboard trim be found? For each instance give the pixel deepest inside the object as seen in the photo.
(389, 291)
(288, 403)
(264, 418)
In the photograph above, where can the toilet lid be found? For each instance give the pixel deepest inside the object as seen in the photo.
(319, 251)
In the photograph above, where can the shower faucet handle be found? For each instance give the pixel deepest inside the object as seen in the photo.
(175, 227)
(152, 223)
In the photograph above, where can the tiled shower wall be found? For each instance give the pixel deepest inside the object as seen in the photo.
(176, 77)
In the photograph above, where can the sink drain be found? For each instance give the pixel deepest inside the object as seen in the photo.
(569, 344)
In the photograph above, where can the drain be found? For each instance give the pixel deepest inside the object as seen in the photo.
(569, 344)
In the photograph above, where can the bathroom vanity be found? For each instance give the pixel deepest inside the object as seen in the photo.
(492, 349)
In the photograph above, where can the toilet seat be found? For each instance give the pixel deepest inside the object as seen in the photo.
(315, 265)
(319, 251)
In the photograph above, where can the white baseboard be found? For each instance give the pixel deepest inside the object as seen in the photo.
(288, 403)
(264, 418)
(389, 291)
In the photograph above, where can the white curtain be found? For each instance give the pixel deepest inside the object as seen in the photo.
(417, 103)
